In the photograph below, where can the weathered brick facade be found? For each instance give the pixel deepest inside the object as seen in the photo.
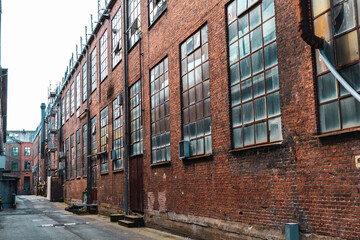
(246, 193)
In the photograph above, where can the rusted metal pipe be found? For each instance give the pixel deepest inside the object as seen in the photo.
(304, 26)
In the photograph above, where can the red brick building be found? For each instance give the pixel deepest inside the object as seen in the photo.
(214, 118)
(19, 159)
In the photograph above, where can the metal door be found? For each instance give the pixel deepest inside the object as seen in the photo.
(94, 184)
(136, 184)
(26, 183)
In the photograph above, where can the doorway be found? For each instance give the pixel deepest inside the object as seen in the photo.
(136, 184)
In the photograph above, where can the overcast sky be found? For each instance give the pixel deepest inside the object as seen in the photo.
(38, 37)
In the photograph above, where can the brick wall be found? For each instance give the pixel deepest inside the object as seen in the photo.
(309, 179)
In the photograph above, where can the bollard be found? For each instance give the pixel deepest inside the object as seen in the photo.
(291, 231)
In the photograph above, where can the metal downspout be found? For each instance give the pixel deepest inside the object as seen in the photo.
(319, 43)
(337, 75)
(88, 172)
(126, 110)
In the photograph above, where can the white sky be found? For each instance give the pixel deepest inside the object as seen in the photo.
(38, 38)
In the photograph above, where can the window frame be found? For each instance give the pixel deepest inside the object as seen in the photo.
(93, 71)
(78, 91)
(188, 105)
(72, 98)
(27, 151)
(136, 134)
(78, 153)
(133, 38)
(15, 153)
(116, 38)
(240, 128)
(85, 150)
(160, 112)
(84, 82)
(322, 73)
(118, 136)
(150, 12)
(103, 48)
(104, 128)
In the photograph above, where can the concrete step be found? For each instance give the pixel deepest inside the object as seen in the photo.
(137, 221)
(116, 217)
(126, 223)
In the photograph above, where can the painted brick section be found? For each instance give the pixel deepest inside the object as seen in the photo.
(249, 193)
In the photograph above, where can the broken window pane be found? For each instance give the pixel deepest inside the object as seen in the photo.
(344, 17)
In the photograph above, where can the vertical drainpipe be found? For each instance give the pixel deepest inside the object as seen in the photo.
(126, 110)
(42, 146)
(88, 179)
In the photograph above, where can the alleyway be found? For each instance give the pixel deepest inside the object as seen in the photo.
(37, 218)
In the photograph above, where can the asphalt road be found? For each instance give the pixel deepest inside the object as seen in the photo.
(37, 218)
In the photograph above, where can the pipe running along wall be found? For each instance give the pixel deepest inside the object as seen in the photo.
(319, 43)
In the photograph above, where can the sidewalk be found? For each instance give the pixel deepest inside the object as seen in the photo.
(148, 233)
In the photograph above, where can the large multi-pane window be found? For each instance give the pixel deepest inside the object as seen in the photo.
(93, 140)
(136, 136)
(27, 166)
(84, 82)
(195, 75)
(93, 70)
(78, 154)
(72, 99)
(156, 8)
(338, 23)
(254, 80)
(160, 112)
(67, 163)
(78, 91)
(14, 166)
(72, 156)
(118, 140)
(85, 153)
(67, 112)
(134, 21)
(15, 151)
(103, 56)
(116, 38)
(63, 111)
(104, 120)
(93, 136)
(27, 151)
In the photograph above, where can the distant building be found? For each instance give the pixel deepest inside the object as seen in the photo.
(19, 158)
